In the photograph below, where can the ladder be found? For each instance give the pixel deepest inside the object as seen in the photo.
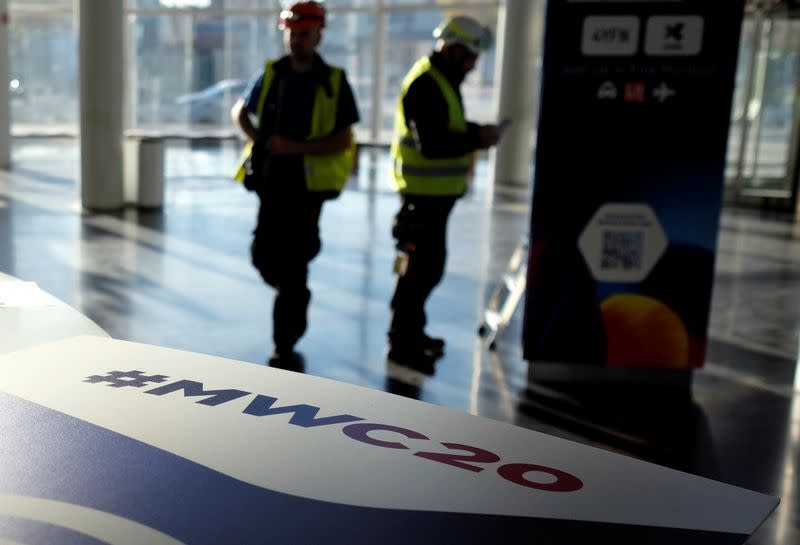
(506, 296)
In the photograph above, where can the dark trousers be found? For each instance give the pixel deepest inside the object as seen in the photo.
(420, 230)
(285, 240)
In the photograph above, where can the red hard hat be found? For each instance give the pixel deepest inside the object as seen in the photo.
(302, 15)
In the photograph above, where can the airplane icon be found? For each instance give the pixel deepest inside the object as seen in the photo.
(663, 92)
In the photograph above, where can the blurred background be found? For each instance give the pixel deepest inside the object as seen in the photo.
(190, 59)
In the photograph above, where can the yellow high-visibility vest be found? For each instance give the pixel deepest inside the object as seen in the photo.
(413, 173)
(323, 172)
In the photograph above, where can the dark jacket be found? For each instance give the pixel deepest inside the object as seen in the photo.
(426, 107)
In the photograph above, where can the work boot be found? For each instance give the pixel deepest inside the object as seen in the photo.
(289, 360)
(433, 346)
(412, 356)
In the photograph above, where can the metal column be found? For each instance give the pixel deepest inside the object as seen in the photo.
(102, 103)
(519, 38)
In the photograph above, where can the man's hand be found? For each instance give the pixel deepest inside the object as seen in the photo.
(489, 136)
(278, 145)
(334, 143)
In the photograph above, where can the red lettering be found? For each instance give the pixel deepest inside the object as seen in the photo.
(360, 432)
(564, 481)
(479, 456)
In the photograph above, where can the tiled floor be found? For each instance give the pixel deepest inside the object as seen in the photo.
(181, 278)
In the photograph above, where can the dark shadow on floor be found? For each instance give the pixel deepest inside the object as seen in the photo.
(662, 425)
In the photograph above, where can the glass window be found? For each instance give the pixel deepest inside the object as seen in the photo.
(191, 68)
(764, 108)
(348, 3)
(16, 6)
(347, 42)
(777, 103)
(274, 5)
(443, 3)
(739, 107)
(172, 4)
(189, 60)
(43, 55)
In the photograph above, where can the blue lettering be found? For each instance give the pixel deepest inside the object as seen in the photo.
(195, 389)
(302, 415)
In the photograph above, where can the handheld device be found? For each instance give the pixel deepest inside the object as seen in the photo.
(502, 126)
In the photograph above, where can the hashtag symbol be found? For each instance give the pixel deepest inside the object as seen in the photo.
(121, 379)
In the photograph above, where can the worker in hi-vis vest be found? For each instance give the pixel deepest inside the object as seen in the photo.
(431, 154)
(298, 115)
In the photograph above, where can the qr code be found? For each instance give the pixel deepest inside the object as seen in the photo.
(622, 250)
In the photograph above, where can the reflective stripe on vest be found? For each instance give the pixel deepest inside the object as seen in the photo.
(413, 173)
(322, 172)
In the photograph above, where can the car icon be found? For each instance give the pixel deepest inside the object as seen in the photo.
(607, 91)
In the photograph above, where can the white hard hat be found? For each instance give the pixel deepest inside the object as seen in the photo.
(465, 31)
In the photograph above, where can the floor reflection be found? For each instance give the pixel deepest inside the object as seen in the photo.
(661, 425)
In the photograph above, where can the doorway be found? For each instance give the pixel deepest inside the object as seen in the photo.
(764, 143)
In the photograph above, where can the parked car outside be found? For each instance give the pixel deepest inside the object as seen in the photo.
(212, 104)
